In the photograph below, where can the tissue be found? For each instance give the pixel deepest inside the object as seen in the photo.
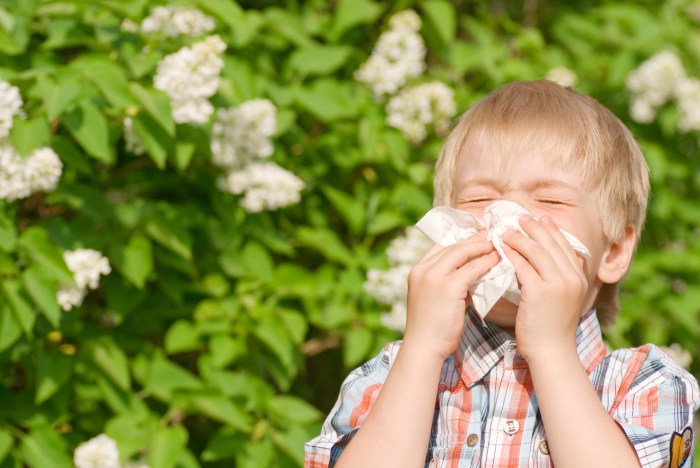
(445, 226)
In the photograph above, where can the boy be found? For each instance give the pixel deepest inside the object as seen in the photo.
(456, 392)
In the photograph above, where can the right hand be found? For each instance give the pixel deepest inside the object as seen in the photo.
(438, 289)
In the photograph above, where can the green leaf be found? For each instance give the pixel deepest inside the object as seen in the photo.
(165, 377)
(42, 290)
(384, 221)
(442, 15)
(8, 230)
(166, 445)
(295, 323)
(110, 79)
(253, 260)
(353, 211)
(350, 13)
(89, 127)
(170, 234)
(221, 409)
(44, 447)
(6, 442)
(134, 260)
(358, 343)
(287, 25)
(10, 330)
(62, 97)
(157, 104)
(319, 59)
(30, 134)
(328, 100)
(327, 242)
(181, 336)
(35, 242)
(23, 312)
(156, 140)
(112, 361)
(52, 372)
(291, 409)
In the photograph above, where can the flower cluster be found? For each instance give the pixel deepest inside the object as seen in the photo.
(563, 76)
(20, 177)
(241, 137)
(86, 265)
(99, 452)
(662, 79)
(10, 105)
(242, 134)
(398, 55)
(190, 77)
(266, 186)
(176, 20)
(133, 143)
(417, 107)
(653, 84)
(389, 287)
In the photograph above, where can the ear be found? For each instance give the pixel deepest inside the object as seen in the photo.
(616, 259)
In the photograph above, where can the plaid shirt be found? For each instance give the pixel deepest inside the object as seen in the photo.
(486, 413)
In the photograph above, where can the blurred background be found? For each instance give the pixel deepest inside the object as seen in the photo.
(205, 205)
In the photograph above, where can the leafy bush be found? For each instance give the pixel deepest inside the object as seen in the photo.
(230, 310)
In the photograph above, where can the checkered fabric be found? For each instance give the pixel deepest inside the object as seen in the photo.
(487, 414)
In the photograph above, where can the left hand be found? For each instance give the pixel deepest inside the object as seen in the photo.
(553, 287)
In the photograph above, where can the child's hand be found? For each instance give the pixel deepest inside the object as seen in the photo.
(437, 292)
(553, 287)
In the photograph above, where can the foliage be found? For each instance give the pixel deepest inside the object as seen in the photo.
(221, 335)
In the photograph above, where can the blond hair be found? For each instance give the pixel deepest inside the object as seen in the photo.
(579, 130)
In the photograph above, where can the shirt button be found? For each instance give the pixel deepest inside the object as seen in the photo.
(511, 426)
(544, 447)
(472, 440)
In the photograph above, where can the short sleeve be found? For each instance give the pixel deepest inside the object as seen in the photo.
(358, 393)
(654, 401)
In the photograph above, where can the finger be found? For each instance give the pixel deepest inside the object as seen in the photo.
(524, 271)
(432, 251)
(536, 254)
(457, 255)
(569, 253)
(470, 272)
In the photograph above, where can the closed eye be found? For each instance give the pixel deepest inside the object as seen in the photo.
(552, 202)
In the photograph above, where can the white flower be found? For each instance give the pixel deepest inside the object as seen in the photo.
(190, 77)
(98, 452)
(70, 296)
(688, 99)
(265, 186)
(10, 105)
(132, 142)
(86, 265)
(652, 84)
(129, 26)
(177, 20)
(562, 75)
(390, 287)
(680, 355)
(417, 107)
(398, 55)
(20, 177)
(242, 134)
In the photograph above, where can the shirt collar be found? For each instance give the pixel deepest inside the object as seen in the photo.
(482, 346)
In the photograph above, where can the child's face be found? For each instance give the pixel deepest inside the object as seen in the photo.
(533, 179)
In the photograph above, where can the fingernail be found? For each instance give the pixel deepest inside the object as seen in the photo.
(546, 220)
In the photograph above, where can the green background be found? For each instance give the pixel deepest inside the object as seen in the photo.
(221, 337)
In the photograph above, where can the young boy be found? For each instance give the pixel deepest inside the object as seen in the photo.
(457, 392)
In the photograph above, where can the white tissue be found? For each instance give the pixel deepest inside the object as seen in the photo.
(445, 226)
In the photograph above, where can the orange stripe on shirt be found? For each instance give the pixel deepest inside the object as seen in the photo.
(636, 362)
(360, 411)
